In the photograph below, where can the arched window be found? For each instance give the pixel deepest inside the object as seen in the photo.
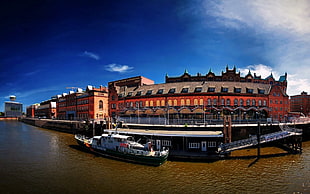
(182, 102)
(264, 103)
(188, 102)
(175, 103)
(228, 102)
(163, 103)
(223, 102)
(259, 103)
(209, 102)
(241, 102)
(195, 102)
(151, 103)
(147, 103)
(248, 102)
(253, 102)
(157, 103)
(100, 105)
(201, 102)
(215, 101)
(236, 102)
(169, 102)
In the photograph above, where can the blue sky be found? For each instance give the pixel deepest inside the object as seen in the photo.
(46, 46)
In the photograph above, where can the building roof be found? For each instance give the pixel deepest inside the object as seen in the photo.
(180, 87)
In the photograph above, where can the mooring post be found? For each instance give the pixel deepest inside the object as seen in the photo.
(258, 139)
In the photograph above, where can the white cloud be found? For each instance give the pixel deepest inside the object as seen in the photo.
(118, 68)
(91, 55)
(283, 27)
(296, 84)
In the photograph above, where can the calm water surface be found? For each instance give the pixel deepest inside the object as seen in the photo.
(36, 160)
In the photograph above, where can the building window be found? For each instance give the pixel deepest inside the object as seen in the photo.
(237, 90)
(100, 105)
(209, 102)
(249, 90)
(214, 101)
(211, 89)
(182, 102)
(175, 102)
(236, 102)
(195, 102)
(151, 103)
(149, 92)
(160, 91)
(228, 102)
(169, 102)
(129, 94)
(264, 103)
(138, 93)
(224, 89)
(261, 91)
(241, 102)
(184, 90)
(259, 103)
(201, 102)
(194, 145)
(157, 103)
(248, 102)
(147, 103)
(163, 103)
(212, 144)
(188, 102)
(166, 143)
(198, 89)
(253, 102)
(223, 102)
(171, 91)
(113, 106)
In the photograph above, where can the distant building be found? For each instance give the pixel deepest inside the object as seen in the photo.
(82, 105)
(12, 108)
(47, 109)
(300, 103)
(30, 110)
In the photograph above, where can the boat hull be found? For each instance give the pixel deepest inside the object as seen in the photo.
(132, 158)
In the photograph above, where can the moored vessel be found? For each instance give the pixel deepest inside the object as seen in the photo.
(123, 147)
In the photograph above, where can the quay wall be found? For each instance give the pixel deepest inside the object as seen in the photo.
(8, 118)
(58, 125)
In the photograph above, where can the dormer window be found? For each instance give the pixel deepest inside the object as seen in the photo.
(129, 94)
(160, 91)
(149, 92)
(261, 91)
(184, 90)
(171, 91)
(224, 89)
(237, 90)
(211, 89)
(198, 89)
(249, 90)
(139, 93)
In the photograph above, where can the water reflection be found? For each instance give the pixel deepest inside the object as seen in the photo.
(45, 161)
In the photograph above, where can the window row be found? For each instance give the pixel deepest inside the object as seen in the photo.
(196, 90)
(195, 102)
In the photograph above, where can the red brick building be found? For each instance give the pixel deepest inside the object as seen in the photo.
(201, 96)
(300, 103)
(82, 105)
(46, 109)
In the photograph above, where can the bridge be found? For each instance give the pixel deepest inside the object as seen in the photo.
(266, 138)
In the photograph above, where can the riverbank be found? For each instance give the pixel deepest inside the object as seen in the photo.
(8, 118)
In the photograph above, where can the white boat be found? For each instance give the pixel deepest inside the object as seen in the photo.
(123, 147)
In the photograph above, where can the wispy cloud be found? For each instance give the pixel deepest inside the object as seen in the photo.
(91, 55)
(32, 73)
(118, 68)
(282, 26)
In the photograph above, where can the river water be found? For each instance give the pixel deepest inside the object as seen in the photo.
(36, 160)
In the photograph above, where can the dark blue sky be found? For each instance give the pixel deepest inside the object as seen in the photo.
(46, 45)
